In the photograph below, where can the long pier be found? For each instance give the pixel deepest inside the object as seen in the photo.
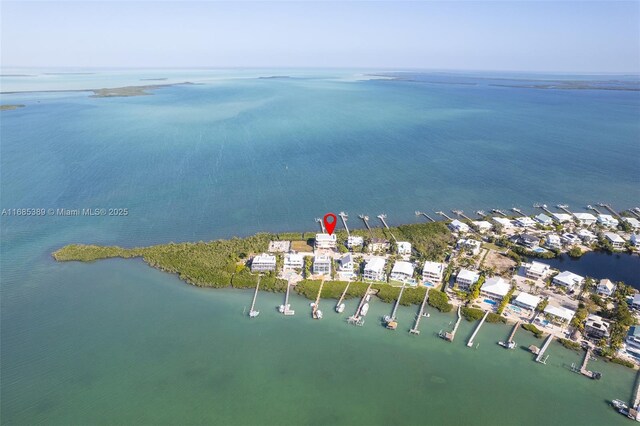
(449, 336)
(418, 213)
(365, 219)
(635, 401)
(461, 214)
(543, 349)
(500, 212)
(356, 318)
(611, 210)
(517, 210)
(590, 207)
(443, 214)
(415, 330)
(321, 222)
(344, 218)
(473, 336)
(391, 322)
(316, 313)
(546, 210)
(565, 208)
(286, 308)
(252, 312)
(382, 218)
(344, 293)
(513, 332)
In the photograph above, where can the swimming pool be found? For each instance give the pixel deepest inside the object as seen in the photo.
(515, 309)
(539, 250)
(489, 301)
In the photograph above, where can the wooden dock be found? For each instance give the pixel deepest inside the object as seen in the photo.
(391, 322)
(357, 318)
(382, 218)
(286, 308)
(513, 332)
(635, 401)
(510, 343)
(461, 214)
(316, 313)
(425, 215)
(475, 332)
(449, 336)
(443, 214)
(365, 219)
(415, 330)
(565, 208)
(344, 293)
(611, 210)
(252, 312)
(539, 357)
(590, 207)
(344, 218)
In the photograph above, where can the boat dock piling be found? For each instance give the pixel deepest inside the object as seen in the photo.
(543, 349)
(590, 207)
(564, 208)
(449, 336)
(321, 222)
(344, 218)
(356, 318)
(344, 293)
(516, 210)
(475, 332)
(382, 218)
(611, 210)
(461, 214)
(425, 215)
(415, 330)
(315, 312)
(252, 312)
(443, 214)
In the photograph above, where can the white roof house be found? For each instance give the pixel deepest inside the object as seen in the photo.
(495, 287)
(404, 248)
(466, 278)
(635, 239)
(553, 241)
(482, 225)
(543, 219)
(586, 219)
(607, 220)
(401, 271)
(563, 217)
(568, 279)
(263, 262)
(503, 221)
(586, 235)
(457, 226)
(606, 288)
(354, 241)
(293, 260)
(527, 301)
(560, 313)
(525, 222)
(636, 301)
(325, 241)
(433, 271)
(374, 269)
(322, 264)
(616, 240)
(469, 244)
(633, 222)
(536, 270)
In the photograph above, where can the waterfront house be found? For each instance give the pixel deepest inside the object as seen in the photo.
(374, 269)
(263, 262)
(596, 328)
(466, 278)
(633, 340)
(553, 241)
(536, 270)
(504, 222)
(433, 271)
(635, 304)
(527, 301)
(482, 226)
(616, 240)
(293, 261)
(404, 248)
(563, 217)
(354, 241)
(528, 240)
(378, 245)
(585, 219)
(470, 245)
(606, 288)
(402, 271)
(569, 239)
(495, 288)
(325, 241)
(457, 226)
(607, 221)
(543, 219)
(569, 280)
(345, 267)
(635, 240)
(633, 222)
(322, 264)
(586, 236)
(525, 222)
(558, 314)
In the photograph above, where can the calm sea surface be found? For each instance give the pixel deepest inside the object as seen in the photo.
(116, 342)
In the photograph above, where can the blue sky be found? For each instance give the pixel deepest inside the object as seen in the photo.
(569, 36)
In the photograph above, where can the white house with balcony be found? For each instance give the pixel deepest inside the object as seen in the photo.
(345, 267)
(354, 241)
(607, 220)
(293, 261)
(527, 301)
(263, 262)
(595, 327)
(606, 288)
(586, 236)
(322, 264)
(553, 241)
(433, 272)
(525, 222)
(495, 288)
(558, 314)
(536, 270)
(568, 280)
(374, 269)
(633, 222)
(404, 248)
(457, 226)
(617, 242)
(402, 271)
(466, 278)
(585, 219)
(563, 217)
(325, 241)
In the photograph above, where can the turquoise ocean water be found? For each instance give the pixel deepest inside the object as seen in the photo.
(117, 342)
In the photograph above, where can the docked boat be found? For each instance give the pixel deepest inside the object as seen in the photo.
(368, 298)
(508, 345)
(281, 309)
(340, 308)
(365, 309)
(318, 314)
(618, 404)
(253, 314)
(426, 314)
(392, 325)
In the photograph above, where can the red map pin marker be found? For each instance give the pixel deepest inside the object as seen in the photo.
(330, 222)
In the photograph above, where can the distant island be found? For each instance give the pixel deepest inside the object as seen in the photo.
(126, 91)
(11, 107)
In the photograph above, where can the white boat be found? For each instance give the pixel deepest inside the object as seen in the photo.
(312, 304)
(367, 298)
(281, 309)
(340, 308)
(365, 309)
(426, 315)
(319, 314)
(253, 314)
(619, 405)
